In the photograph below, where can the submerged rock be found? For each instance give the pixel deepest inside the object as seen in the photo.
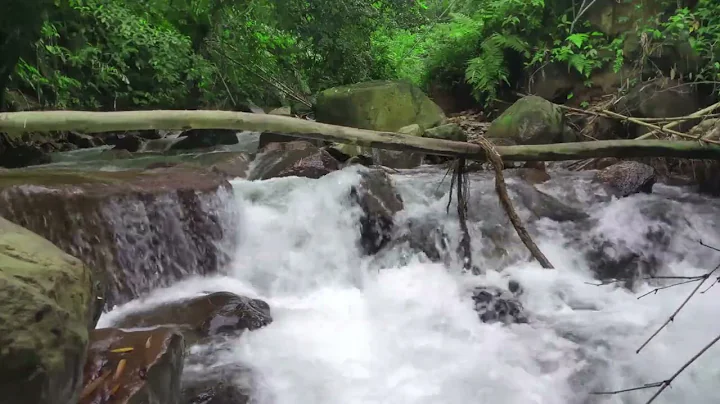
(627, 178)
(175, 219)
(494, 304)
(207, 379)
(133, 367)
(218, 313)
(205, 138)
(378, 105)
(15, 153)
(84, 141)
(379, 201)
(130, 142)
(298, 158)
(48, 304)
(542, 205)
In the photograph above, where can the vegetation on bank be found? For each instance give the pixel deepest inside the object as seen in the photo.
(137, 54)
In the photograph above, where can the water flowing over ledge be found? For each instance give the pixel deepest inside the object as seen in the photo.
(140, 230)
(398, 328)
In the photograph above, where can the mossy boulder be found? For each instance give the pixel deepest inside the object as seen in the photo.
(47, 308)
(378, 105)
(530, 120)
(449, 131)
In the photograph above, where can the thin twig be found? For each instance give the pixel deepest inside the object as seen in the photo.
(462, 190)
(672, 316)
(654, 291)
(643, 387)
(665, 384)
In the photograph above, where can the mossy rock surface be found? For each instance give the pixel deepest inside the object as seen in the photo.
(530, 120)
(47, 307)
(378, 105)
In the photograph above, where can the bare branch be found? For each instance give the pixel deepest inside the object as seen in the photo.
(665, 383)
(654, 291)
(672, 316)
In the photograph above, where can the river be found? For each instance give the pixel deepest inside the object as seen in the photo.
(399, 329)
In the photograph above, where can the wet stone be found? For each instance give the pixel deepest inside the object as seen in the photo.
(220, 313)
(497, 305)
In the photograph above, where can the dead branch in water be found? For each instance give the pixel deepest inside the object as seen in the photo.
(501, 188)
(462, 208)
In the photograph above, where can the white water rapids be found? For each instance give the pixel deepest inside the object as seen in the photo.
(398, 329)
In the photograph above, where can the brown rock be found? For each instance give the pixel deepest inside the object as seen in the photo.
(129, 142)
(172, 218)
(133, 367)
(206, 316)
(627, 178)
(298, 158)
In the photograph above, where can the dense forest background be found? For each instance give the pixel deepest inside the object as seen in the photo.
(139, 54)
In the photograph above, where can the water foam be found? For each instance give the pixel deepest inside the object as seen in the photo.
(349, 329)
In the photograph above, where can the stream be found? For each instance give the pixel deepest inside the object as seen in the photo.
(397, 328)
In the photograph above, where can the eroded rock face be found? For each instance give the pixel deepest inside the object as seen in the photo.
(207, 380)
(47, 307)
(627, 178)
(134, 367)
(298, 158)
(177, 219)
(542, 205)
(219, 313)
(379, 201)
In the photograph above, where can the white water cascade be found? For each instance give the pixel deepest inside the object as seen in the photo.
(398, 329)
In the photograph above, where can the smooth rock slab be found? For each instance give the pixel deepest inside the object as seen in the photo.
(219, 313)
(134, 367)
(47, 307)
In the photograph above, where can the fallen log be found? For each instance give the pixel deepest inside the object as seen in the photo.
(96, 122)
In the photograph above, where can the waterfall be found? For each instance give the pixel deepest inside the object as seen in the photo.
(399, 327)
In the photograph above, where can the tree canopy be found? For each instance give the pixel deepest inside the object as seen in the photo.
(139, 54)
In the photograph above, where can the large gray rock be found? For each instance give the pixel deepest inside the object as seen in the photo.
(47, 307)
(530, 120)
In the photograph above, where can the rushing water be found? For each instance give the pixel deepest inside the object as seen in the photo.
(397, 329)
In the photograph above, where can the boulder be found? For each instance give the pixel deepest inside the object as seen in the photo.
(298, 158)
(660, 98)
(448, 131)
(378, 105)
(234, 166)
(134, 367)
(530, 120)
(83, 141)
(219, 313)
(554, 82)
(627, 178)
(175, 218)
(15, 153)
(205, 138)
(494, 304)
(48, 304)
(397, 159)
(129, 142)
(379, 201)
